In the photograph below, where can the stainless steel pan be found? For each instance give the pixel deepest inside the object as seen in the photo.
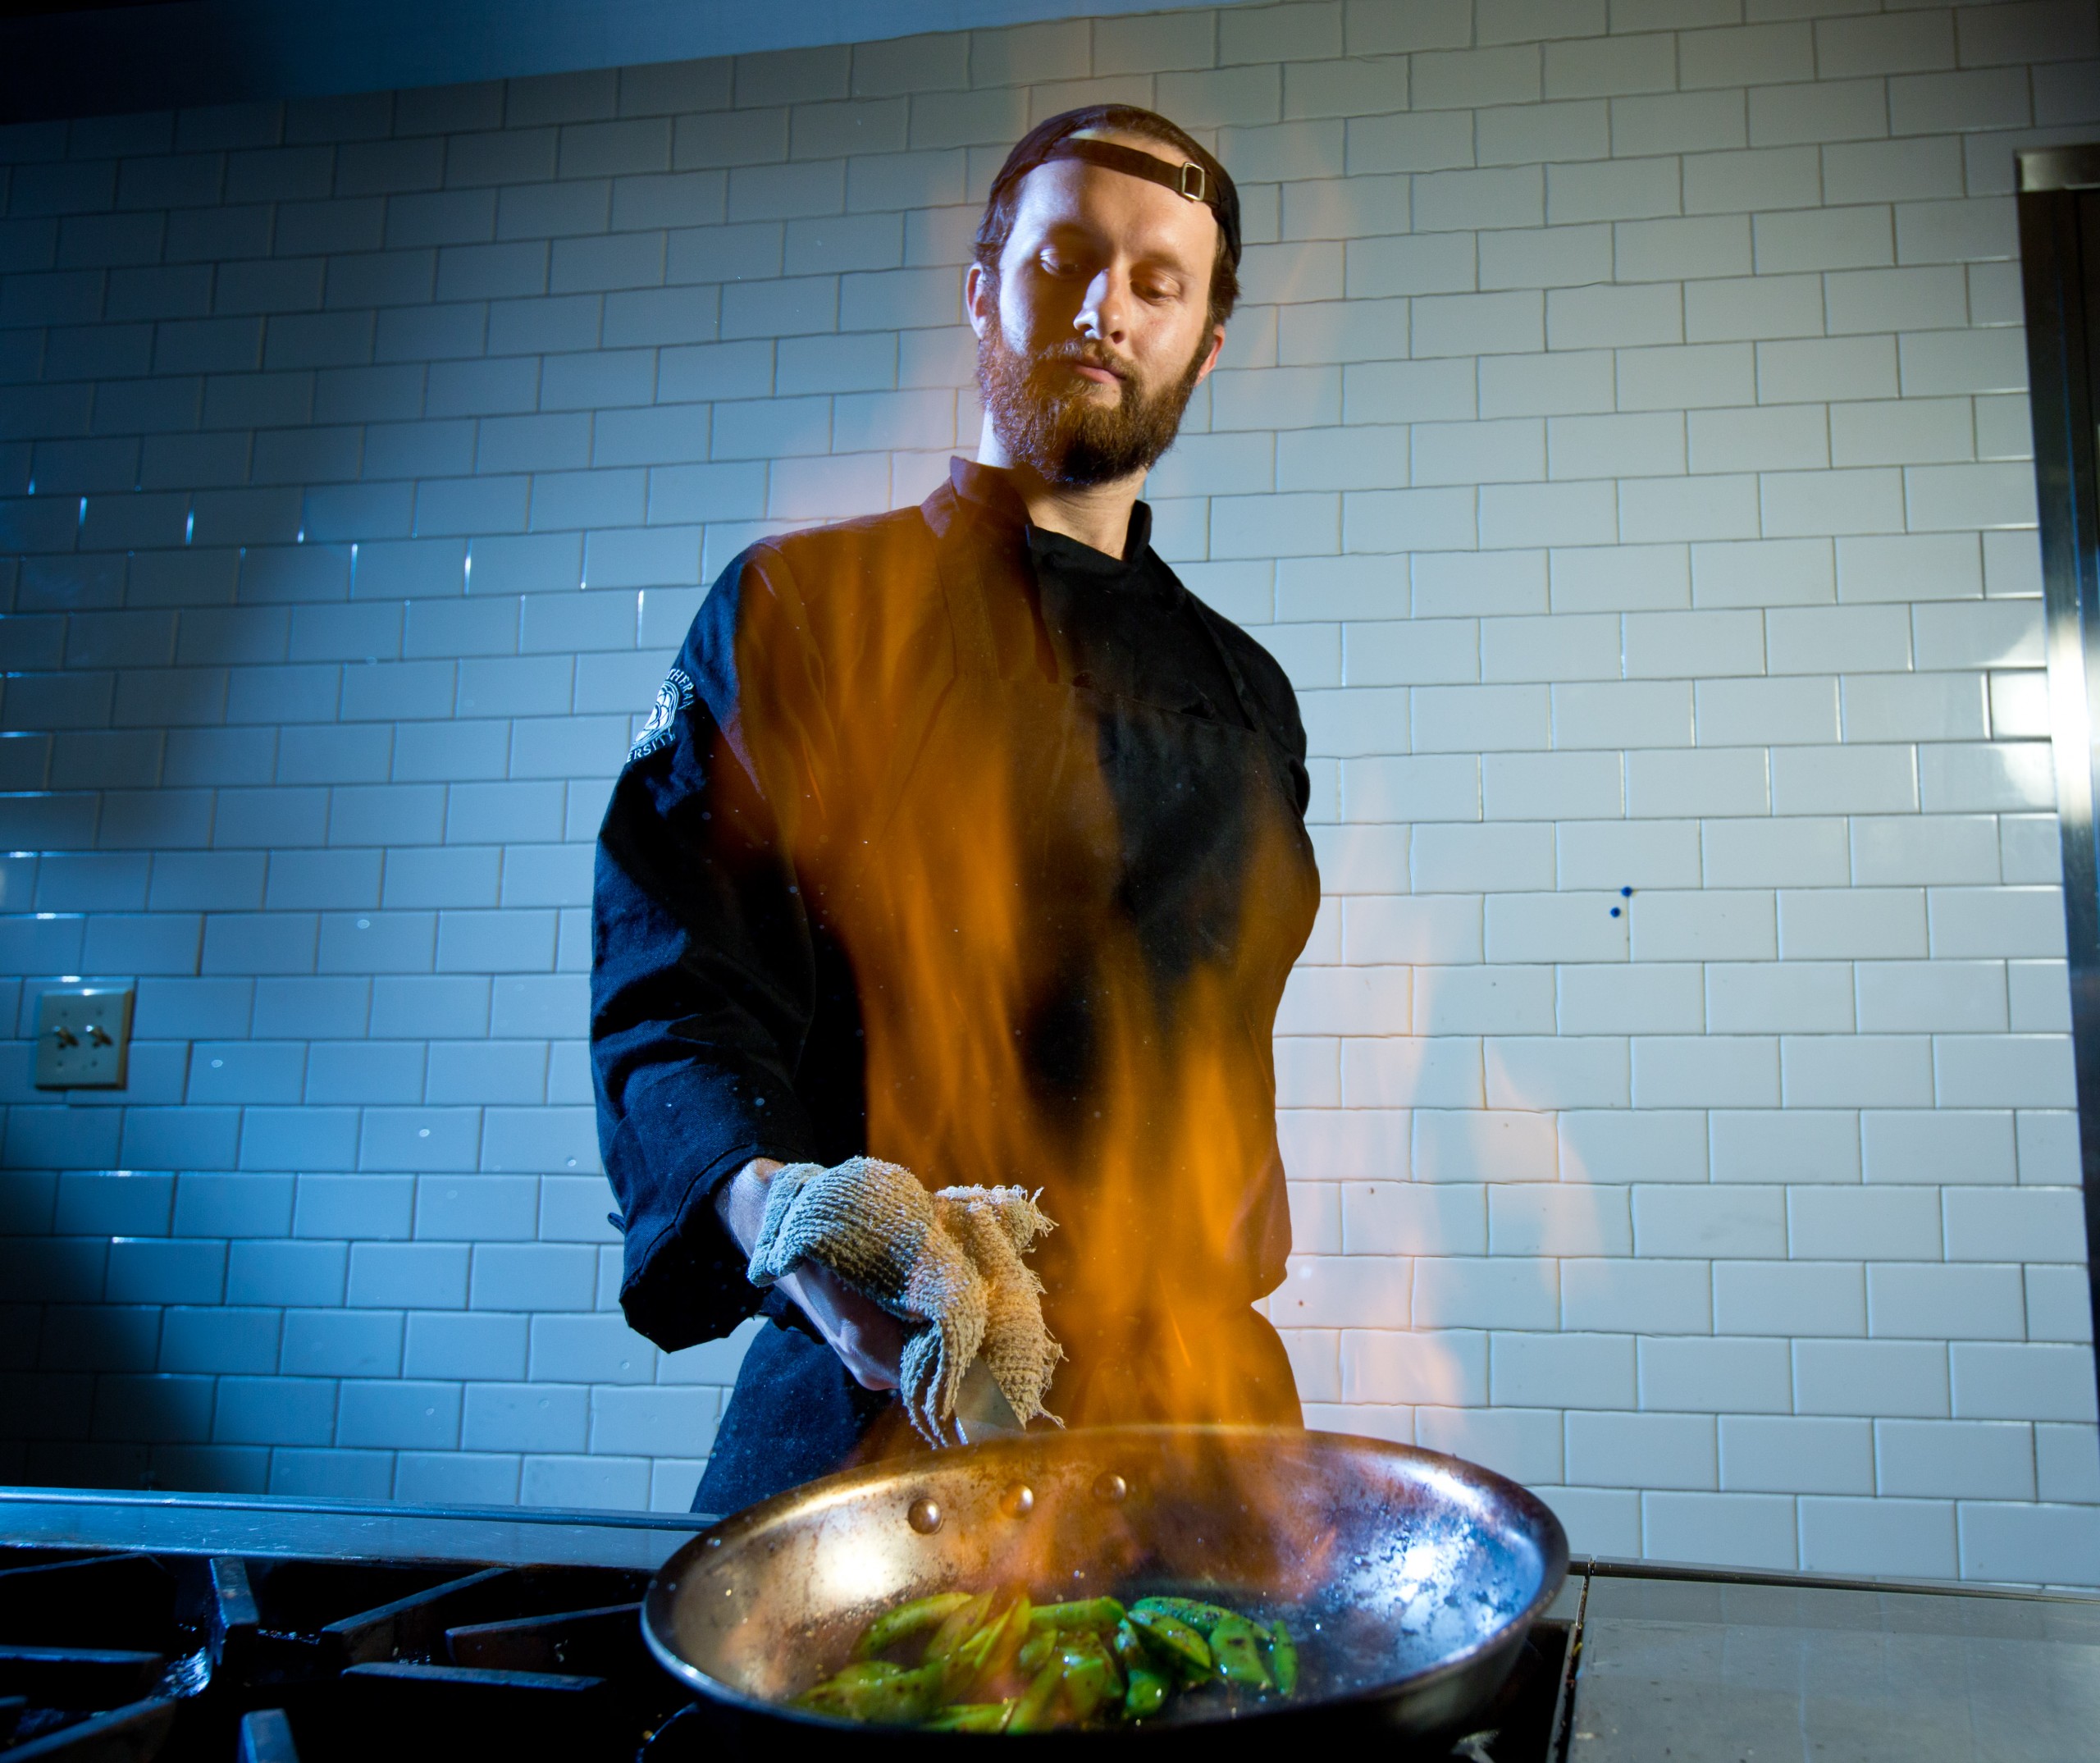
(1409, 1579)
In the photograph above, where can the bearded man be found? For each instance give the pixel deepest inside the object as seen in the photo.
(949, 894)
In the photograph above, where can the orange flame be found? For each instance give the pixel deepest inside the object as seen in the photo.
(962, 842)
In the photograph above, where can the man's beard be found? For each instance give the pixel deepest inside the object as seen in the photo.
(1045, 416)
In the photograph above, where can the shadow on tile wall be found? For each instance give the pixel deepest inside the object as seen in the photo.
(194, 1331)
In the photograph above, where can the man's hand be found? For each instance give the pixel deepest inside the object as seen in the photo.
(868, 1340)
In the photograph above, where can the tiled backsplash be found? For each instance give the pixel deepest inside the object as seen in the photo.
(1624, 446)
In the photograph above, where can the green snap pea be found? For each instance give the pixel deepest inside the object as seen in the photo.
(960, 1625)
(1147, 1693)
(1090, 1677)
(1038, 1648)
(895, 1626)
(1032, 1712)
(972, 1717)
(1177, 1642)
(969, 1654)
(1200, 1616)
(989, 1654)
(1236, 1649)
(1093, 1651)
(832, 1696)
(1283, 1658)
(876, 1693)
(1102, 1613)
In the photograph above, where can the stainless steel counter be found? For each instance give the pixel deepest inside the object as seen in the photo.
(1709, 1671)
(338, 1529)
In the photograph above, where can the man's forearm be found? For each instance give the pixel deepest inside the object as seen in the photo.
(740, 1202)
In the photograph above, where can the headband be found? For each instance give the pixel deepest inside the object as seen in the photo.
(1200, 180)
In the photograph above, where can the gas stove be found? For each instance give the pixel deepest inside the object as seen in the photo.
(169, 1626)
(157, 1627)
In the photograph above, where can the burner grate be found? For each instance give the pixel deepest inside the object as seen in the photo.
(309, 1661)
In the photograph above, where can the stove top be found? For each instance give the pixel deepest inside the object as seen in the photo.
(141, 1627)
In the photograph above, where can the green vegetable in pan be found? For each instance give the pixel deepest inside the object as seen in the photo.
(1199, 1615)
(892, 1626)
(972, 1717)
(963, 1621)
(1102, 1613)
(1089, 1680)
(1175, 1643)
(1283, 1658)
(878, 1693)
(990, 1653)
(1032, 1712)
(1147, 1693)
(1236, 1650)
(983, 1663)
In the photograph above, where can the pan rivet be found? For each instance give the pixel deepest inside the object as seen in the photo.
(1018, 1501)
(1110, 1487)
(924, 1517)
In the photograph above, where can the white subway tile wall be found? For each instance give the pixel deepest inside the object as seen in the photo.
(1623, 444)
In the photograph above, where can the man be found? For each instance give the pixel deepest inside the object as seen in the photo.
(964, 837)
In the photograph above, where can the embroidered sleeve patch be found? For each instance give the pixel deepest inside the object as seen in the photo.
(672, 697)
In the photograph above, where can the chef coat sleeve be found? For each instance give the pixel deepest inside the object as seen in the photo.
(701, 984)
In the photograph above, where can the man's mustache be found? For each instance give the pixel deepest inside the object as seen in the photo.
(1084, 355)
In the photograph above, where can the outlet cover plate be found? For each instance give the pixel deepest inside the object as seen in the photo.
(83, 1034)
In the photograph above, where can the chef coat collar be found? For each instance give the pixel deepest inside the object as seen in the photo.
(988, 489)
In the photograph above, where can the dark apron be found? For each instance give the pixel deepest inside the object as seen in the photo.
(1175, 835)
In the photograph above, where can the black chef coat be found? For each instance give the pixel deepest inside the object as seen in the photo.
(858, 714)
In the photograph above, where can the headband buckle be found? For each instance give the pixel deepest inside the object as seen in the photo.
(1192, 173)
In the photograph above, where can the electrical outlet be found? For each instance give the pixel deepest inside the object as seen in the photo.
(82, 1033)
